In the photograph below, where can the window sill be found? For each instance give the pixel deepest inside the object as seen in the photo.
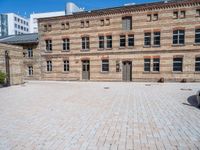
(48, 51)
(197, 16)
(196, 44)
(65, 51)
(156, 46)
(108, 48)
(48, 72)
(146, 72)
(66, 72)
(146, 46)
(104, 72)
(177, 72)
(151, 72)
(85, 50)
(101, 49)
(178, 45)
(197, 72)
(175, 18)
(122, 47)
(130, 47)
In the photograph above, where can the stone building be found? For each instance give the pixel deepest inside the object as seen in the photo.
(144, 42)
(11, 63)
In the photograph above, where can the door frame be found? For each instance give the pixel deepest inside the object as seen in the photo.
(88, 63)
(123, 65)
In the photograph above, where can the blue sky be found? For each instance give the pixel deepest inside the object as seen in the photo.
(28, 6)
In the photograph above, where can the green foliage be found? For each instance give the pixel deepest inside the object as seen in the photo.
(2, 77)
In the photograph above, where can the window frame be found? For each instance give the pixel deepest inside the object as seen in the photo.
(48, 43)
(125, 20)
(101, 42)
(85, 43)
(131, 37)
(147, 64)
(197, 64)
(156, 38)
(30, 52)
(49, 66)
(66, 67)
(104, 65)
(122, 41)
(66, 44)
(147, 39)
(197, 33)
(109, 41)
(156, 64)
(30, 70)
(176, 62)
(178, 37)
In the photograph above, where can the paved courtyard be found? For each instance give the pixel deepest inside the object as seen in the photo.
(99, 115)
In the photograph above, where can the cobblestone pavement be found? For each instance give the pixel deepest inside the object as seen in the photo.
(99, 115)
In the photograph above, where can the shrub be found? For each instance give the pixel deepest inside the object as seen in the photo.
(2, 77)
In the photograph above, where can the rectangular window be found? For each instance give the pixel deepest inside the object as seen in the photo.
(148, 17)
(45, 28)
(156, 38)
(82, 24)
(197, 64)
(147, 39)
(182, 14)
(156, 64)
(122, 41)
(101, 42)
(198, 12)
(118, 66)
(107, 22)
(62, 26)
(178, 37)
(87, 24)
(30, 70)
(147, 64)
(102, 22)
(67, 26)
(49, 27)
(197, 36)
(105, 66)
(30, 52)
(48, 45)
(66, 65)
(49, 65)
(127, 23)
(155, 17)
(109, 41)
(85, 43)
(178, 64)
(66, 44)
(175, 14)
(130, 40)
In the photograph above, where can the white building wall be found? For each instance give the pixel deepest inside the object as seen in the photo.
(35, 16)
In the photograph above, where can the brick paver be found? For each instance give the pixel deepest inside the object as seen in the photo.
(88, 116)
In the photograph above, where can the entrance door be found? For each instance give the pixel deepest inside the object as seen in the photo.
(127, 71)
(86, 70)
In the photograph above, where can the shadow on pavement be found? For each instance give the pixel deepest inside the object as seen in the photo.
(192, 100)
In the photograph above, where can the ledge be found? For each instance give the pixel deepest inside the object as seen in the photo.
(177, 72)
(147, 46)
(196, 44)
(65, 51)
(156, 46)
(178, 45)
(85, 50)
(104, 72)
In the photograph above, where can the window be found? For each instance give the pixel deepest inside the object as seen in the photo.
(30, 70)
(66, 65)
(155, 17)
(87, 24)
(197, 36)
(175, 14)
(66, 44)
(45, 28)
(82, 24)
(15, 19)
(198, 13)
(127, 23)
(178, 37)
(49, 65)
(122, 41)
(178, 64)
(130, 40)
(107, 22)
(156, 38)
(101, 42)
(109, 41)
(49, 27)
(62, 26)
(148, 17)
(67, 26)
(15, 25)
(85, 43)
(147, 64)
(118, 66)
(48, 45)
(197, 64)
(182, 14)
(156, 64)
(105, 66)
(102, 22)
(30, 52)
(147, 39)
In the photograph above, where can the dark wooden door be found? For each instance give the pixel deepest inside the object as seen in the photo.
(127, 71)
(86, 70)
(7, 63)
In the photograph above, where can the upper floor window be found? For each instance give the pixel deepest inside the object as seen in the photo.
(197, 36)
(178, 64)
(198, 13)
(127, 23)
(82, 24)
(175, 14)
(147, 39)
(147, 64)
(156, 38)
(30, 52)
(87, 24)
(30, 70)
(197, 64)
(149, 17)
(49, 65)
(122, 41)
(105, 65)
(47, 28)
(101, 42)
(155, 17)
(102, 22)
(65, 26)
(66, 44)
(109, 41)
(183, 14)
(179, 37)
(156, 64)
(85, 43)
(130, 40)
(48, 45)
(107, 22)
(66, 65)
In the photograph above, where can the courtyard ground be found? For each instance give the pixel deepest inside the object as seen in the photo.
(99, 115)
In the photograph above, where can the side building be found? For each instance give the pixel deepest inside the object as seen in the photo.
(147, 42)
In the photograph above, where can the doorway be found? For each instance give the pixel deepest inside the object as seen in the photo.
(127, 71)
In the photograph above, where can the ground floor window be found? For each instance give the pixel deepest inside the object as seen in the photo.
(30, 70)
(197, 64)
(49, 65)
(66, 65)
(147, 64)
(178, 64)
(118, 66)
(156, 64)
(105, 65)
